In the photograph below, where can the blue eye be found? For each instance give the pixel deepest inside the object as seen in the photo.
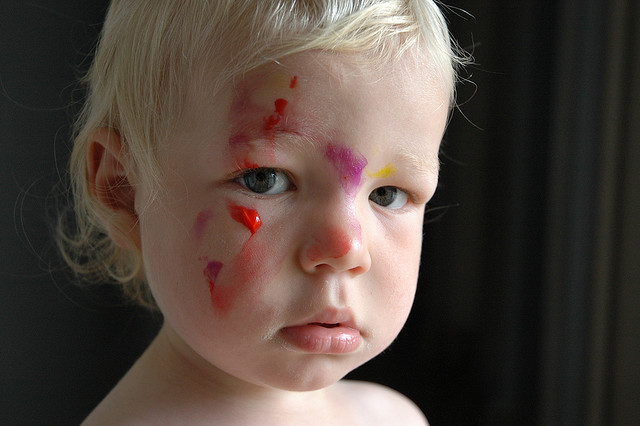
(265, 181)
(389, 197)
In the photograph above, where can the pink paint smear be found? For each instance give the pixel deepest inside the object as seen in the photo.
(335, 243)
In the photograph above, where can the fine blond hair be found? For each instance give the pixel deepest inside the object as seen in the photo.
(150, 51)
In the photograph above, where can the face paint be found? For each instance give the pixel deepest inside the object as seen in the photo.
(252, 269)
(294, 82)
(238, 140)
(271, 121)
(241, 149)
(280, 105)
(247, 217)
(211, 272)
(220, 298)
(200, 224)
(335, 243)
(384, 172)
(348, 165)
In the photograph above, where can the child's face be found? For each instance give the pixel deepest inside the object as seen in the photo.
(284, 245)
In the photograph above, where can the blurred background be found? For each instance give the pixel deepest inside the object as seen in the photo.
(527, 306)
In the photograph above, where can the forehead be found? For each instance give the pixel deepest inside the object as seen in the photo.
(331, 92)
(397, 108)
(346, 74)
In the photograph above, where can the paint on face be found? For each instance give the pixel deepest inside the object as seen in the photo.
(211, 272)
(238, 140)
(241, 150)
(252, 269)
(220, 296)
(255, 267)
(384, 172)
(254, 123)
(334, 243)
(247, 217)
(246, 164)
(271, 121)
(280, 105)
(200, 224)
(348, 165)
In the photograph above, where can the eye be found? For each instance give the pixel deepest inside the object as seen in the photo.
(389, 197)
(265, 181)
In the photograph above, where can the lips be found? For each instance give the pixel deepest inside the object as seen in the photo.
(331, 332)
(325, 325)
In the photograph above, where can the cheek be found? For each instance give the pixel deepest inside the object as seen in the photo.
(244, 274)
(398, 262)
(256, 266)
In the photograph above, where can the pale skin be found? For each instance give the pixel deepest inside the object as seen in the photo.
(338, 177)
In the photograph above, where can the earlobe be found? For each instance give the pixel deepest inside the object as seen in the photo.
(109, 181)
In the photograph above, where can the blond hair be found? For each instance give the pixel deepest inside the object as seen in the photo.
(151, 50)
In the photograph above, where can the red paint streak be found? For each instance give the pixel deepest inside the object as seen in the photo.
(294, 82)
(247, 217)
(334, 244)
(220, 297)
(249, 164)
(256, 266)
(241, 149)
(253, 269)
(281, 104)
(271, 121)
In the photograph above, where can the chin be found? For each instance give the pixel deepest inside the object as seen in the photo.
(313, 376)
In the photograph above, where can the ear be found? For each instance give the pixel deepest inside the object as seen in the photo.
(109, 180)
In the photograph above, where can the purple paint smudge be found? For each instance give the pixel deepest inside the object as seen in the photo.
(200, 223)
(211, 272)
(348, 165)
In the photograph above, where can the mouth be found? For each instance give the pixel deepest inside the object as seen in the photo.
(325, 325)
(331, 331)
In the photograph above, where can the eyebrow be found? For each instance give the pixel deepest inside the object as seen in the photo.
(421, 164)
(291, 139)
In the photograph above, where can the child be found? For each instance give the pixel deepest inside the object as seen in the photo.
(258, 171)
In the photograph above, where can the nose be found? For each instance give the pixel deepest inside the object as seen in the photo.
(336, 247)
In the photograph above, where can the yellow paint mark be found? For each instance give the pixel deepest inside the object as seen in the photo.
(384, 172)
(271, 87)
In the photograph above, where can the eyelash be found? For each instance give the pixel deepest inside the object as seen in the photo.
(396, 193)
(241, 179)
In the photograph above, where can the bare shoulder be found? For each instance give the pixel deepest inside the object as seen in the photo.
(382, 404)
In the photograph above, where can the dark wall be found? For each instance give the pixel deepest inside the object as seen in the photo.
(473, 351)
(61, 349)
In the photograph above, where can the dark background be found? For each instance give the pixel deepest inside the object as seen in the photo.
(526, 311)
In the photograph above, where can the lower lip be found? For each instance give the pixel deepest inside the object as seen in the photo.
(323, 340)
